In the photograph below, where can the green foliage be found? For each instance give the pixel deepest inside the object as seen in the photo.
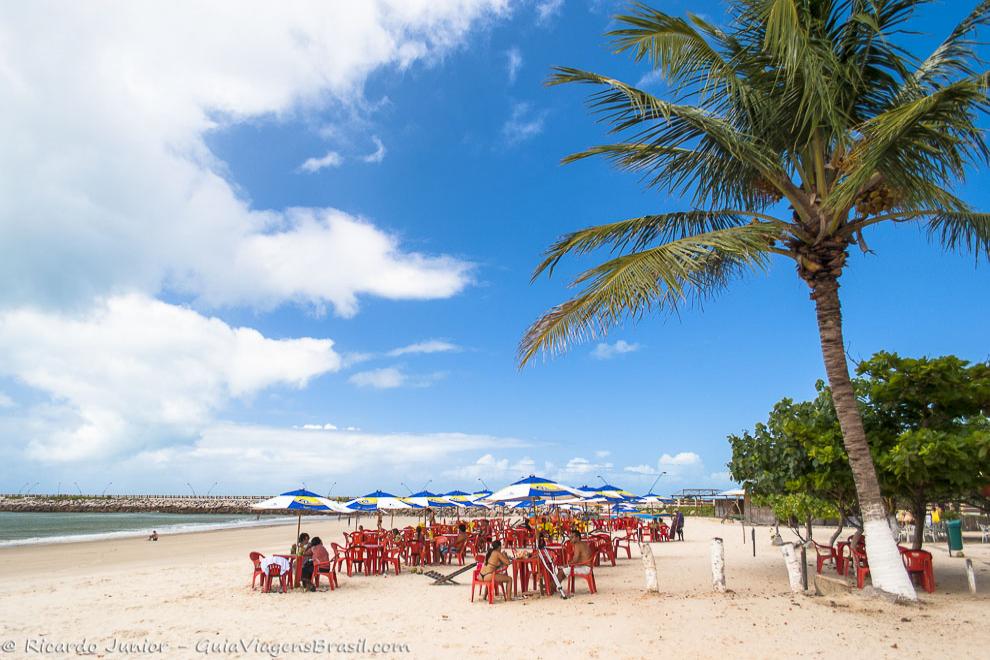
(818, 104)
(798, 507)
(926, 422)
(798, 450)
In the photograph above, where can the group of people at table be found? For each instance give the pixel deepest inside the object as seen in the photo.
(532, 543)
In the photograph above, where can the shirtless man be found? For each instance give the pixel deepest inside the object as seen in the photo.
(582, 555)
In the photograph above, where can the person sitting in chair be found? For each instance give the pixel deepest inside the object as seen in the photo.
(581, 556)
(494, 561)
(316, 554)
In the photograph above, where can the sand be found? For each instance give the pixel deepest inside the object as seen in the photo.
(187, 596)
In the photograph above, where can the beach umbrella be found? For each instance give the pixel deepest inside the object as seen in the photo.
(481, 495)
(462, 499)
(533, 488)
(299, 501)
(380, 501)
(426, 499)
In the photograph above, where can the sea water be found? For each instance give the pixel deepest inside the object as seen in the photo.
(17, 528)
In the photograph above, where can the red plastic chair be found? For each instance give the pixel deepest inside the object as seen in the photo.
(589, 578)
(327, 570)
(919, 563)
(489, 582)
(862, 566)
(622, 542)
(256, 558)
(352, 557)
(274, 571)
(826, 553)
(392, 557)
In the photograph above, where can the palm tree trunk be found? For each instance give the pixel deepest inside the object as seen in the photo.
(886, 569)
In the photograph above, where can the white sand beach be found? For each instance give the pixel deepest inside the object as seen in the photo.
(187, 596)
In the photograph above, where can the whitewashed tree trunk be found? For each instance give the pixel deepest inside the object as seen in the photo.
(718, 565)
(792, 560)
(649, 567)
(886, 566)
(970, 576)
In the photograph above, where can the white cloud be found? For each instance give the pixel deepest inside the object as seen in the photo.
(430, 346)
(578, 466)
(331, 159)
(605, 351)
(132, 372)
(681, 458)
(650, 79)
(6, 401)
(378, 155)
(522, 124)
(292, 265)
(260, 455)
(641, 469)
(109, 184)
(317, 427)
(380, 379)
(602, 453)
(547, 9)
(514, 61)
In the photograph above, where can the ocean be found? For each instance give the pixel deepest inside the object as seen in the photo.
(18, 528)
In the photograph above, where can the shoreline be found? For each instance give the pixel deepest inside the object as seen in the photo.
(173, 529)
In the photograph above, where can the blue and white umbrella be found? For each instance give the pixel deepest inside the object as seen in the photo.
(463, 500)
(380, 501)
(428, 500)
(533, 488)
(299, 501)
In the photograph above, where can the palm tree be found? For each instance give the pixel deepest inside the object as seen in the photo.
(793, 130)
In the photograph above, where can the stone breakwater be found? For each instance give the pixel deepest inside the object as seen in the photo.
(133, 504)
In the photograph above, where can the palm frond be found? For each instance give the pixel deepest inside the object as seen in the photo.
(637, 233)
(656, 279)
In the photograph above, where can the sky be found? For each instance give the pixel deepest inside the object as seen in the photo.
(248, 249)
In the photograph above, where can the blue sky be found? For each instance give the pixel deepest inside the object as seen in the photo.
(188, 296)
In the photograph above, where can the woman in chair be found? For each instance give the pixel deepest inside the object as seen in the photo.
(316, 555)
(496, 560)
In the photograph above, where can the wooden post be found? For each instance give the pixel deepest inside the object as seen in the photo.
(718, 565)
(752, 532)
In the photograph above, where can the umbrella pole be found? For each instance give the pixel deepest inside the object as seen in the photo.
(298, 527)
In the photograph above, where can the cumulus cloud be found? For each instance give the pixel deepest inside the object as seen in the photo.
(606, 351)
(547, 9)
(266, 458)
(317, 427)
(109, 184)
(488, 466)
(378, 155)
(430, 346)
(513, 63)
(385, 378)
(133, 371)
(523, 124)
(331, 159)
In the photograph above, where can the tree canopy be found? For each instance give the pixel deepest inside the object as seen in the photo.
(927, 426)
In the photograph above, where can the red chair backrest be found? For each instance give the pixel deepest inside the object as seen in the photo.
(256, 558)
(916, 560)
(274, 570)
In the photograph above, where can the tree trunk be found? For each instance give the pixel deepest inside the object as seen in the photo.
(918, 511)
(793, 563)
(887, 571)
(842, 524)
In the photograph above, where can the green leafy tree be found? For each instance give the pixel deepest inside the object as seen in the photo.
(798, 508)
(813, 106)
(797, 452)
(928, 424)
